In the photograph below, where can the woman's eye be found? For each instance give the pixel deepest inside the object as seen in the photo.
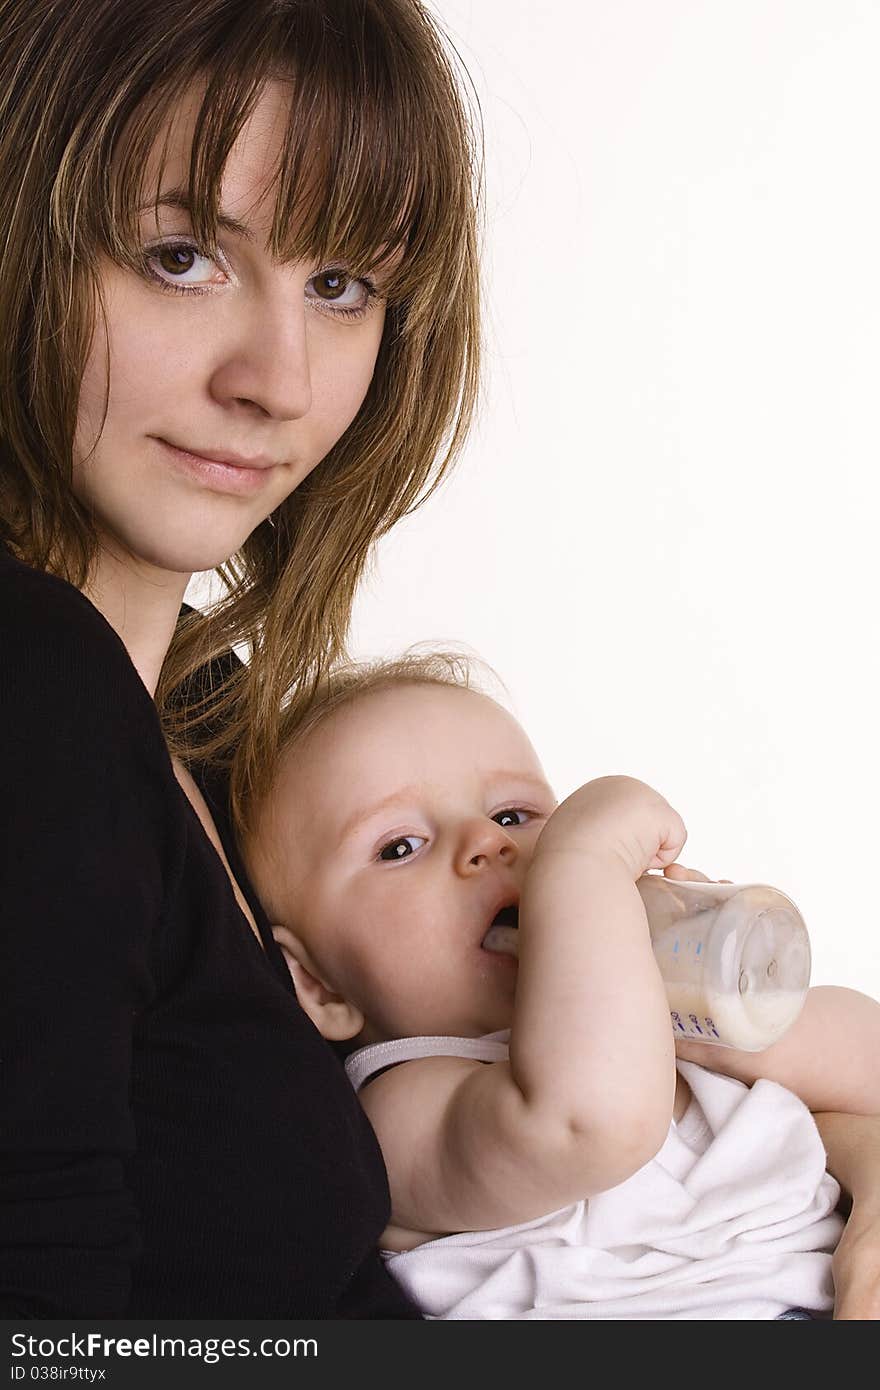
(341, 292)
(175, 261)
(513, 816)
(401, 848)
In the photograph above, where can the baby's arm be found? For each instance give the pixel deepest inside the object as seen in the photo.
(587, 1095)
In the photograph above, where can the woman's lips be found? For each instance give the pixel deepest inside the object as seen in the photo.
(233, 478)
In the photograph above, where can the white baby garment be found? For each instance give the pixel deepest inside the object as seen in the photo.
(733, 1219)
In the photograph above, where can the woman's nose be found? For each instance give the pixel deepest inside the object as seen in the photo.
(266, 364)
(484, 843)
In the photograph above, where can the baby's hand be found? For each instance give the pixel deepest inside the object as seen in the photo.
(619, 816)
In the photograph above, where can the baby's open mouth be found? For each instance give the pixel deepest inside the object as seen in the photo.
(502, 936)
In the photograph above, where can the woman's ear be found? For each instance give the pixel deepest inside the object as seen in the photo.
(334, 1017)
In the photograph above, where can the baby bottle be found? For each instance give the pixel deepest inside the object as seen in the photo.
(735, 959)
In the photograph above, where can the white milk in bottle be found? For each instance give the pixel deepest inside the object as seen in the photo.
(735, 959)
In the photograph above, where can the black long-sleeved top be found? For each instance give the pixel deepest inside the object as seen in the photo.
(176, 1139)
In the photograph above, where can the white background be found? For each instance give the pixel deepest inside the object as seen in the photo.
(663, 533)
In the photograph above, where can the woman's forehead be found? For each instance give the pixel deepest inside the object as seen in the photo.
(250, 174)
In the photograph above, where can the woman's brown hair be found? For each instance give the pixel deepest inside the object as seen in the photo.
(381, 155)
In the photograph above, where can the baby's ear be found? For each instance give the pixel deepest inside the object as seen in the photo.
(334, 1017)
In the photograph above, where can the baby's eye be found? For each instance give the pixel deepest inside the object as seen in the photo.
(512, 816)
(401, 848)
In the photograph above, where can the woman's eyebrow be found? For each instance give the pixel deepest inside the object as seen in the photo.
(178, 198)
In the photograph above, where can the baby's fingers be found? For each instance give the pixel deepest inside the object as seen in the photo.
(683, 875)
(671, 838)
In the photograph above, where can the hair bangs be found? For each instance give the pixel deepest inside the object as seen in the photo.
(370, 172)
(230, 85)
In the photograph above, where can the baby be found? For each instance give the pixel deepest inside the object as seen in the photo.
(487, 952)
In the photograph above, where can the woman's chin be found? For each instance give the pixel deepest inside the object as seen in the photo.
(177, 554)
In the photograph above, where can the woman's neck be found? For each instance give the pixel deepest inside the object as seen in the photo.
(142, 604)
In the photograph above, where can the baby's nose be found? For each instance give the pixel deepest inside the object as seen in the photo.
(483, 843)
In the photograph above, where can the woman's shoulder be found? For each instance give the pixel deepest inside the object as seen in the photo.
(47, 625)
(32, 599)
(64, 665)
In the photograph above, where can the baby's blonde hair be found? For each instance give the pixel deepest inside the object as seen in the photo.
(352, 680)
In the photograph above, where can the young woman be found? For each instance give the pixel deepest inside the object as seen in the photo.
(238, 302)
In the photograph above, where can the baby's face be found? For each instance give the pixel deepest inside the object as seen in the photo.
(393, 838)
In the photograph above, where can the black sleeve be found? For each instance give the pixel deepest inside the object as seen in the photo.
(84, 858)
